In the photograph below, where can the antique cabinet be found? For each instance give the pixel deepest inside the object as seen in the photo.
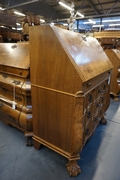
(114, 56)
(108, 39)
(15, 87)
(70, 90)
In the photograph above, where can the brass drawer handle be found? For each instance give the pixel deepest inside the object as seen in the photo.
(99, 105)
(104, 87)
(89, 84)
(100, 91)
(90, 98)
(4, 75)
(89, 115)
(14, 46)
(87, 131)
(16, 82)
(18, 98)
(102, 99)
(109, 72)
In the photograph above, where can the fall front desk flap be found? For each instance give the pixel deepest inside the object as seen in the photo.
(61, 59)
(14, 58)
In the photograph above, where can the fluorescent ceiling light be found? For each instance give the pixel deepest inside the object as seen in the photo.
(65, 24)
(114, 24)
(18, 13)
(98, 25)
(2, 26)
(66, 6)
(1, 8)
(111, 20)
(19, 29)
(18, 24)
(13, 28)
(90, 22)
(81, 15)
(42, 20)
(87, 22)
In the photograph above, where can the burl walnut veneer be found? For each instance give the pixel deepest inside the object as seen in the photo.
(15, 87)
(70, 90)
(114, 56)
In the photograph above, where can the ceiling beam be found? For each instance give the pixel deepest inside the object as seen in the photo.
(22, 4)
(89, 17)
(112, 7)
(91, 4)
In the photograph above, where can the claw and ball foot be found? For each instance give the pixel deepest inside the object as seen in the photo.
(73, 168)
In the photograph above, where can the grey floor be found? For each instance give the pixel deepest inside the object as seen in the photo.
(100, 158)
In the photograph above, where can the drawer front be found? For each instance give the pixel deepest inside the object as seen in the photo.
(96, 104)
(111, 41)
(10, 95)
(18, 118)
(90, 85)
(22, 86)
(23, 103)
(90, 98)
(9, 113)
(88, 130)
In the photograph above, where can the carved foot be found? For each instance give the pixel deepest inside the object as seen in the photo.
(103, 120)
(73, 168)
(116, 98)
(29, 141)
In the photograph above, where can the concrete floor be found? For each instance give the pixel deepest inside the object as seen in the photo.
(100, 158)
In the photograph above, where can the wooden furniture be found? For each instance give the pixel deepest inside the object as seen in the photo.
(10, 35)
(70, 90)
(108, 39)
(114, 56)
(15, 87)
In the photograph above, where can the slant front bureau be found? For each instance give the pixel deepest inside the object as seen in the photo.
(70, 90)
(15, 87)
(114, 56)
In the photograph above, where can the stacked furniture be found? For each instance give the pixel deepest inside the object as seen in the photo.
(10, 35)
(108, 39)
(15, 87)
(70, 90)
(114, 56)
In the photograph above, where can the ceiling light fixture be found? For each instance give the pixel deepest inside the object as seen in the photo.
(89, 22)
(81, 15)
(1, 8)
(98, 25)
(18, 13)
(2, 26)
(111, 20)
(42, 20)
(18, 24)
(66, 6)
(19, 29)
(114, 24)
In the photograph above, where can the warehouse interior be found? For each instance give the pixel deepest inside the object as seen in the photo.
(100, 12)
(59, 89)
